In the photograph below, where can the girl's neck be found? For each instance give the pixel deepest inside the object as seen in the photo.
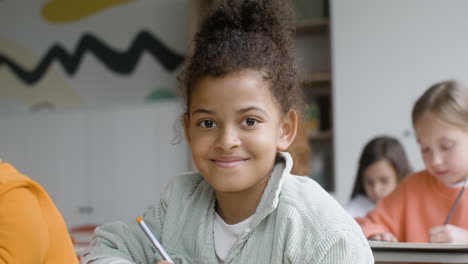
(457, 184)
(234, 207)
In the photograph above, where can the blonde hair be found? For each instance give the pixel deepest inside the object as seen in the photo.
(448, 100)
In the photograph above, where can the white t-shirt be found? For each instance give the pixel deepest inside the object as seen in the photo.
(359, 206)
(226, 235)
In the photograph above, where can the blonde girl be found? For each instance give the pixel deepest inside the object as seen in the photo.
(431, 205)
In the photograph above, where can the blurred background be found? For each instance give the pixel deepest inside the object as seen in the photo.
(89, 105)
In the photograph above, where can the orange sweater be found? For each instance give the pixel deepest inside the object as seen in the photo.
(418, 203)
(31, 228)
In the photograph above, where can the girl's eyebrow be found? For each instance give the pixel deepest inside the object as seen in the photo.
(242, 110)
(445, 139)
(203, 111)
(250, 108)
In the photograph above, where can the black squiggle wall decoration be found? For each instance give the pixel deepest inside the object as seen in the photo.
(121, 62)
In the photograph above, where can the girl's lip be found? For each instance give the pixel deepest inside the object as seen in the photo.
(230, 162)
(442, 172)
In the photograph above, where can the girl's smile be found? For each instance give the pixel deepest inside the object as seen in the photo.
(229, 161)
(441, 173)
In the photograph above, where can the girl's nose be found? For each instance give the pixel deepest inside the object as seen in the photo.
(436, 159)
(378, 190)
(227, 139)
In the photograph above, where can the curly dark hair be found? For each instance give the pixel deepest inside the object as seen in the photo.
(246, 34)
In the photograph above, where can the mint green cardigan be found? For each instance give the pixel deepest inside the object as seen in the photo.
(296, 221)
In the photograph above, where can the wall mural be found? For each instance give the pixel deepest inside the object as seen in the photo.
(122, 62)
(68, 54)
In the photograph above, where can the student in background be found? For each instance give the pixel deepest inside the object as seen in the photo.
(244, 205)
(431, 205)
(31, 228)
(382, 165)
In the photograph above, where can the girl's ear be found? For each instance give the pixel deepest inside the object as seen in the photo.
(186, 125)
(288, 129)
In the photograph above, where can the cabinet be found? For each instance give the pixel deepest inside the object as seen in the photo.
(314, 61)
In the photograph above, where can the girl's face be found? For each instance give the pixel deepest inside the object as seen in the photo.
(380, 179)
(234, 128)
(444, 148)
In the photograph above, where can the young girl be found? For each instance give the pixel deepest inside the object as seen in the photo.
(243, 206)
(431, 205)
(382, 165)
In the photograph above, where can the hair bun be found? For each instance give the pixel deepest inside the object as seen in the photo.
(268, 17)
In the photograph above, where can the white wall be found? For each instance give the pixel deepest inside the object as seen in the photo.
(115, 159)
(385, 54)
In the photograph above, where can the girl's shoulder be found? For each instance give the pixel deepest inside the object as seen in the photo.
(304, 203)
(303, 188)
(306, 197)
(10, 175)
(361, 199)
(184, 185)
(359, 206)
(412, 188)
(416, 178)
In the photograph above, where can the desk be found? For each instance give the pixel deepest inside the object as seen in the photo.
(389, 252)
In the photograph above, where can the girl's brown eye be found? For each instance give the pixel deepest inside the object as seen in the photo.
(425, 150)
(447, 147)
(207, 124)
(250, 122)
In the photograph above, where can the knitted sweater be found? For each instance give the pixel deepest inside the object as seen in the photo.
(32, 230)
(418, 203)
(296, 221)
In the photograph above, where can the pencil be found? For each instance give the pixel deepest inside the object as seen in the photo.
(153, 239)
(455, 203)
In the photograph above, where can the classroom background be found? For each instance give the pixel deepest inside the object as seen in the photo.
(89, 106)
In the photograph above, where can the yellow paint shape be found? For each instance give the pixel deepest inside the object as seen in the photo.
(51, 88)
(64, 11)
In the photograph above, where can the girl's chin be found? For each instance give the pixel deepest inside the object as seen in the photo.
(227, 188)
(450, 180)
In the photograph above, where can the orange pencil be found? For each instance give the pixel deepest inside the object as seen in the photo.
(153, 239)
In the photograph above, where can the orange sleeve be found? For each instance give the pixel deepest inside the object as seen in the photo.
(23, 231)
(387, 216)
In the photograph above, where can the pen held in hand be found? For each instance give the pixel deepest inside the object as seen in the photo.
(153, 239)
(456, 202)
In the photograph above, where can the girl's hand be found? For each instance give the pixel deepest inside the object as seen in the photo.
(448, 234)
(389, 237)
